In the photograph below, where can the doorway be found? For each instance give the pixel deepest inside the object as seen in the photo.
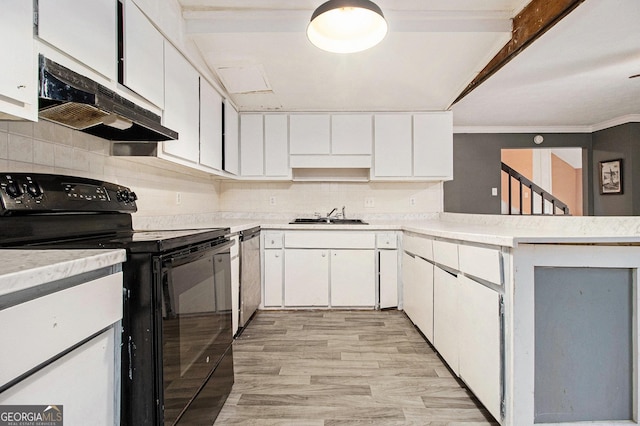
(557, 170)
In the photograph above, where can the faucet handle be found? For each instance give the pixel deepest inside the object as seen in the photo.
(344, 214)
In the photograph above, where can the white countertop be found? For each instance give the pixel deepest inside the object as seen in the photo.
(503, 230)
(23, 269)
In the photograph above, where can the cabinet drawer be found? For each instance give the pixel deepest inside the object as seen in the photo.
(446, 253)
(44, 327)
(387, 240)
(273, 240)
(420, 246)
(481, 262)
(333, 240)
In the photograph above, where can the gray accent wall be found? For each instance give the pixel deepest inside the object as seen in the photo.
(584, 344)
(618, 142)
(476, 168)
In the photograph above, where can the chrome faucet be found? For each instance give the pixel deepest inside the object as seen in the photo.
(331, 212)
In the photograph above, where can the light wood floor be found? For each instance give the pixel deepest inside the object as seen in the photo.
(338, 368)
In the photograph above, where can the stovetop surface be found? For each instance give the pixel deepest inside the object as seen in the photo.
(142, 241)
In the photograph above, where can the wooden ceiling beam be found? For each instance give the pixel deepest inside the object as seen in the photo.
(534, 20)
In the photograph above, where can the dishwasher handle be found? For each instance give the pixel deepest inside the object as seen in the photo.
(248, 234)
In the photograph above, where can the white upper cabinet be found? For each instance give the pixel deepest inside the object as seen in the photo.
(264, 146)
(392, 157)
(84, 30)
(310, 134)
(18, 73)
(143, 55)
(351, 134)
(433, 145)
(210, 126)
(413, 146)
(231, 142)
(182, 106)
(251, 145)
(276, 145)
(330, 141)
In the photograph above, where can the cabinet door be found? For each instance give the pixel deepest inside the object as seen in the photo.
(83, 381)
(276, 145)
(479, 330)
(433, 145)
(182, 105)
(392, 157)
(353, 278)
(85, 30)
(210, 126)
(18, 73)
(310, 134)
(424, 297)
(251, 145)
(388, 268)
(306, 277)
(273, 266)
(351, 134)
(409, 286)
(143, 55)
(231, 142)
(446, 316)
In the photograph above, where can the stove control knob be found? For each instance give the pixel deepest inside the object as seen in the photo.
(132, 197)
(13, 190)
(34, 189)
(122, 195)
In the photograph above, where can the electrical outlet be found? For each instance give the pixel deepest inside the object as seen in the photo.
(178, 198)
(272, 201)
(494, 192)
(369, 202)
(412, 201)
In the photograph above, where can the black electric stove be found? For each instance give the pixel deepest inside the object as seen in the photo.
(177, 362)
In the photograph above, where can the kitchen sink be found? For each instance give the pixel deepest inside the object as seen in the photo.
(327, 221)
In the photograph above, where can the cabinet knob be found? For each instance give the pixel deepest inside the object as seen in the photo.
(277, 255)
(273, 242)
(324, 254)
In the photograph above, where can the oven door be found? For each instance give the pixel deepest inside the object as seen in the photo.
(196, 323)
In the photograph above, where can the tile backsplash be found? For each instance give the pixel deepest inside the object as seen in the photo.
(359, 199)
(167, 189)
(45, 147)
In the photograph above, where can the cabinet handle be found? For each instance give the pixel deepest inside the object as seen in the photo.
(22, 86)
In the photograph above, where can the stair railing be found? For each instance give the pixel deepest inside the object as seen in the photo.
(557, 206)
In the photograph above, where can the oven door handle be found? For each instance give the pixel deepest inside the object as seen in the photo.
(178, 260)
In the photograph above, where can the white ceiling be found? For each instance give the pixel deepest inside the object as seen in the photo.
(574, 75)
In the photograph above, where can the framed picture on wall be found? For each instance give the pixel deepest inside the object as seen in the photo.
(611, 177)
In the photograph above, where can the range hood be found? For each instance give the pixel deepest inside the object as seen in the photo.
(70, 99)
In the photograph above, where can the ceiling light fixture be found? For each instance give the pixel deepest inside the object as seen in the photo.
(347, 26)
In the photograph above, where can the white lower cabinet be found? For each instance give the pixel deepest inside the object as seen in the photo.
(306, 277)
(353, 278)
(418, 293)
(273, 268)
(446, 316)
(479, 336)
(388, 278)
(323, 269)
